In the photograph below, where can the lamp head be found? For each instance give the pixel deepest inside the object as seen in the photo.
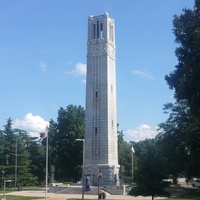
(80, 140)
(100, 175)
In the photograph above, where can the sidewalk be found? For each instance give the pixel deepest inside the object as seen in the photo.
(53, 196)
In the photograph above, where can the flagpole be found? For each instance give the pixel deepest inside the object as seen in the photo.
(132, 164)
(132, 152)
(46, 163)
(15, 164)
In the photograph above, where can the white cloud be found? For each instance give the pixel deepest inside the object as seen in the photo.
(143, 74)
(141, 132)
(43, 66)
(80, 69)
(32, 124)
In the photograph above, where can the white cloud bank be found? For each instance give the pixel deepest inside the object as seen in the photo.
(141, 132)
(143, 74)
(79, 70)
(32, 124)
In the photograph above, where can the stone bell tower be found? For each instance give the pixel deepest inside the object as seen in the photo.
(101, 147)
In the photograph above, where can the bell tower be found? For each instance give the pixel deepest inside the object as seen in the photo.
(101, 146)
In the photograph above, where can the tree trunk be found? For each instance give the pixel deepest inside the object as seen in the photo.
(152, 197)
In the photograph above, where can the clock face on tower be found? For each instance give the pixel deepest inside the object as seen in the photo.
(105, 48)
(96, 49)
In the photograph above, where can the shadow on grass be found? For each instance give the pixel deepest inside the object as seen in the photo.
(189, 194)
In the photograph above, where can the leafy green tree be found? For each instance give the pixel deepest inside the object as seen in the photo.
(178, 141)
(185, 130)
(192, 140)
(24, 160)
(9, 142)
(38, 159)
(14, 142)
(66, 153)
(185, 78)
(149, 174)
(171, 139)
(2, 158)
(124, 155)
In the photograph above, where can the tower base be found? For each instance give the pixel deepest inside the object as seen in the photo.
(104, 174)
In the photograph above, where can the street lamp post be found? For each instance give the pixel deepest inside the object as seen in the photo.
(2, 182)
(16, 158)
(99, 176)
(82, 140)
(4, 190)
(16, 165)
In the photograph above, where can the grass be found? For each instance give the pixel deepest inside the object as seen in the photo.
(24, 188)
(191, 194)
(10, 197)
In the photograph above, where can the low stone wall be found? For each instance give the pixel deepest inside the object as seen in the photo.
(114, 190)
(78, 190)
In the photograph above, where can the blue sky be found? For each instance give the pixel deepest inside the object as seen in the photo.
(43, 45)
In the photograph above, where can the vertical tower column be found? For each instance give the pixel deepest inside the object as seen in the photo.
(101, 149)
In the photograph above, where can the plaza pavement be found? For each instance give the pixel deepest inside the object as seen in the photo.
(53, 196)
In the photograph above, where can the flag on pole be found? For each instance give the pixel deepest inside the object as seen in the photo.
(86, 183)
(132, 149)
(44, 135)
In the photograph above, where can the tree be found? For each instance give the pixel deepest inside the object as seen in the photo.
(124, 155)
(149, 174)
(178, 141)
(186, 83)
(185, 78)
(64, 152)
(14, 143)
(24, 159)
(171, 141)
(67, 154)
(37, 156)
(192, 139)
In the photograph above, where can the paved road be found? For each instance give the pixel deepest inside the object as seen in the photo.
(52, 196)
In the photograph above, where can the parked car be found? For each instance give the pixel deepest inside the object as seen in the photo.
(196, 183)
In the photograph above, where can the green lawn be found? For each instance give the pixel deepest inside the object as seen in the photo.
(10, 197)
(192, 194)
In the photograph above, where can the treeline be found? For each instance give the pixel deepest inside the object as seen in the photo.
(173, 153)
(22, 156)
